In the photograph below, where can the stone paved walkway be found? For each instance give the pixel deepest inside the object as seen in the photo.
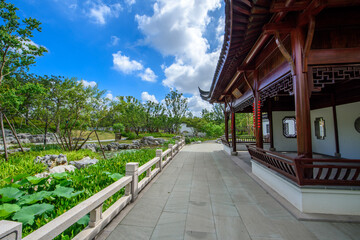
(203, 194)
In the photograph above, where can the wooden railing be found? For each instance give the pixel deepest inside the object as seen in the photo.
(93, 205)
(310, 171)
(279, 163)
(328, 171)
(243, 139)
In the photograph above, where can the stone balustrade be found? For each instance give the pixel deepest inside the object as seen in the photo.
(10, 230)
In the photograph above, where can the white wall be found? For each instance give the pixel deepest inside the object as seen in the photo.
(281, 143)
(327, 145)
(349, 138)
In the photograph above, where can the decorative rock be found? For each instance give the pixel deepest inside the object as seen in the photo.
(52, 160)
(42, 175)
(85, 162)
(92, 146)
(62, 168)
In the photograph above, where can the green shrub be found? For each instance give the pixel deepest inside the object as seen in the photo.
(130, 135)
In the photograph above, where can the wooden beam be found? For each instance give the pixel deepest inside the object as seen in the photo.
(309, 39)
(281, 7)
(332, 56)
(284, 52)
(313, 9)
(272, 28)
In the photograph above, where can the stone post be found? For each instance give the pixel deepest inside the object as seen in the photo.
(132, 170)
(159, 155)
(172, 150)
(10, 230)
(177, 146)
(95, 216)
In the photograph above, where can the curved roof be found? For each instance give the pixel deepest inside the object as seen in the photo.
(244, 20)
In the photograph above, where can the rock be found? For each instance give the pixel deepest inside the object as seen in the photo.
(177, 137)
(85, 162)
(92, 146)
(52, 160)
(198, 142)
(42, 175)
(63, 168)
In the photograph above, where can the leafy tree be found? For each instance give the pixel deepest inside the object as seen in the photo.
(16, 48)
(176, 107)
(130, 112)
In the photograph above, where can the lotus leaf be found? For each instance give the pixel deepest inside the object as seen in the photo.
(84, 220)
(7, 209)
(9, 193)
(59, 176)
(66, 192)
(27, 214)
(115, 176)
(35, 180)
(33, 198)
(16, 178)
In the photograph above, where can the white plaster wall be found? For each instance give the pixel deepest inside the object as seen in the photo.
(327, 145)
(349, 138)
(308, 199)
(282, 143)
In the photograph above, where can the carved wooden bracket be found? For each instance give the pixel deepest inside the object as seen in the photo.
(284, 52)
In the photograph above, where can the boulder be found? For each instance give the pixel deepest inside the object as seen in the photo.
(83, 163)
(62, 168)
(52, 160)
(92, 146)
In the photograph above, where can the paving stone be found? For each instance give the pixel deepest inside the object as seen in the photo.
(170, 226)
(231, 228)
(193, 235)
(124, 232)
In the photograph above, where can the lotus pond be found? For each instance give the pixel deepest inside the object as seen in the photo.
(36, 201)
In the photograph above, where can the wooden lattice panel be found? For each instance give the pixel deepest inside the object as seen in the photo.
(247, 102)
(283, 84)
(326, 75)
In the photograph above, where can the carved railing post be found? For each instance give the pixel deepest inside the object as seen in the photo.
(10, 230)
(172, 150)
(95, 216)
(132, 170)
(159, 155)
(177, 146)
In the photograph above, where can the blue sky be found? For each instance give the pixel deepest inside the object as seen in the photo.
(131, 47)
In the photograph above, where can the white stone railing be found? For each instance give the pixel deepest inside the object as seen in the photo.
(98, 219)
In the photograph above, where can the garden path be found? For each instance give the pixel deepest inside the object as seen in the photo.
(203, 194)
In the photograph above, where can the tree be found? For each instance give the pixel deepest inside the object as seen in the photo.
(16, 48)
(176, 107)
(130, 112)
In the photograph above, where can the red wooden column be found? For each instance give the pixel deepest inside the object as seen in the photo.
(302, 96)
(337, 146)
(226, 124)
(233, 133)
(257, 114)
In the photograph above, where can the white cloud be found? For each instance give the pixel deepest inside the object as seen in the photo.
(99, 11)
(220, 31)
(177, 29)
(196, 105)
(88, 84)
(130, 2)
(148, 75)
(114, 40)
(145, 96)
(123, 63)
(109, 96)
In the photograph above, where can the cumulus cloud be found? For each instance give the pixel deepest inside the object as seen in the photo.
(114, 40)
(109, 96)
(123, 63)
(99, 12)
(88, 84)
(196, 105)
(177, 29)
(220, 30)
(145, 96)
(148, 75)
